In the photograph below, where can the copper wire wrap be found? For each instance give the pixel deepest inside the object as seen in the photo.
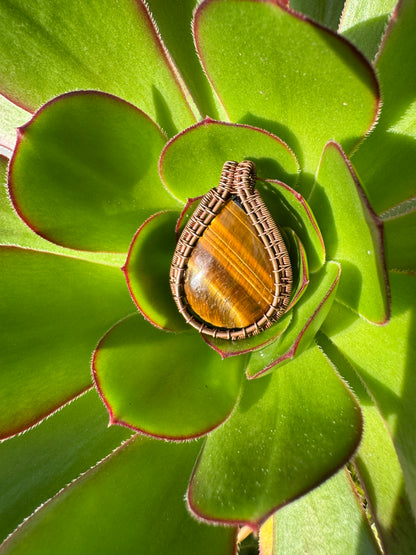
(237, 179)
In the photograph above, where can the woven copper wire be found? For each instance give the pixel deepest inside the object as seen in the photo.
(237, 180)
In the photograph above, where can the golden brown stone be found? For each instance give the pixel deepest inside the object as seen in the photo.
(228, 282)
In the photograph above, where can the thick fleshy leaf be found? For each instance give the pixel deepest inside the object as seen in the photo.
(84, 173)
(111, 509)
(191, 162)
(178, 39)
(291, 210)
(275, 69)
(400, 237)
(13, 231)
(384, 358)
(307, 318)
(35, 465)
(386, 161)
(352, 234)
(164, 384)
(289, 432)
(327, 520)
(364, 23)
(327, 12)
(95, 45)
(11, 117)
(53, 310)
(378, 466)
(147, 271)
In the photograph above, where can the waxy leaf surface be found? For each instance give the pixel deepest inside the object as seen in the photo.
(35, 465)
(191, 162)
(327, 12)
(47, 49)
(352, 235)
(384, 358)
(291, 210)
(147, 271)
(286, 74)
(84, 174)
(164, 384)
(112, 507)
(364, 23)
(307, 318)
(386, 160)
(377, 465)
(52, 314)
(288, 433)
(400, 238)
(327, 520)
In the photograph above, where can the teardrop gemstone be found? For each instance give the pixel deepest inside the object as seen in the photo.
(231, 275)
(228, 281)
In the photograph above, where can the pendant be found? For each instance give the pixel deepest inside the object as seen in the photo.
(231, 275)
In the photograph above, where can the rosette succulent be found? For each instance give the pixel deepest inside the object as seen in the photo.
(140, 433)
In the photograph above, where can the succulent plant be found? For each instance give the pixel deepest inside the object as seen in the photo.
(303, 433)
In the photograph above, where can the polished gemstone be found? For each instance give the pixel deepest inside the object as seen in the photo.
(229, 277)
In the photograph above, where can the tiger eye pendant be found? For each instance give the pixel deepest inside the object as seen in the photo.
(231, 276)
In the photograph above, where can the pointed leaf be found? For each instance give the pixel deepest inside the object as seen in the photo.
(316, 87)
(378, 466)
(164, 384)
(327, 520)
(178, 40)
(384, 358)
(147, 271)
(35, 465)
(52, 313)
(112, 508)
(307, 318)
(352, 234)
(96, 45)
(327, 12)
(84, 173)
(388, 155)
(13, 231)
(291, 210)
(364, 23)
(11, 117)
(191, 162)
(400, 237)
(289, 432)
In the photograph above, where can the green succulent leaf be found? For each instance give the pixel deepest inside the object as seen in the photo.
(11, 117)
(378, 466)
(191, 163)
(386, 160)
(164, 384)
(35, 465)
(334, 510)
(384, 359)
(306, 321)
(237, 41)
(147, 271)
(327, 12)
(48, 49)
(352, 235)
(173, 20)
(291, 210)
(13, 231)
(400, 237)
(112, 508)
(84, 173)
(289, 432)
(364, 23)
(55, 310)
